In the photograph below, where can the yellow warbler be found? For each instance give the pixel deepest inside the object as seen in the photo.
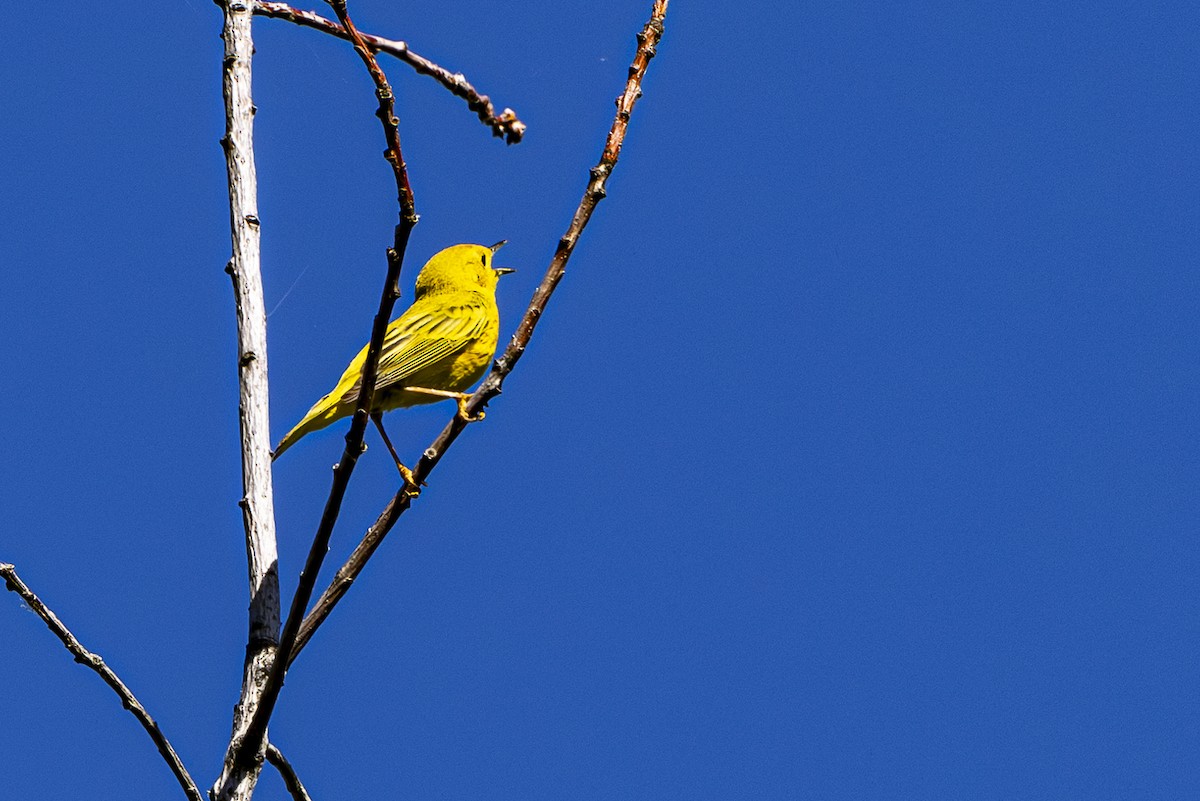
(439, 347)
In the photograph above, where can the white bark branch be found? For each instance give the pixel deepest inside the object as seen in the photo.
(238, 777)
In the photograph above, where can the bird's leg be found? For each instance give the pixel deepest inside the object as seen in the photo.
(461, 397)
(410, 483)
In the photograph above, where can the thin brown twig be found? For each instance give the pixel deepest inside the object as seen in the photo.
(648, 40)
(504, 125)
(85, 657)
(256, 731)
(291, 781)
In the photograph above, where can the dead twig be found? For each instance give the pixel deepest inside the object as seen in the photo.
(504, 125)
(85, 657)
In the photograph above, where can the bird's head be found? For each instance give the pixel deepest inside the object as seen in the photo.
(461, 268)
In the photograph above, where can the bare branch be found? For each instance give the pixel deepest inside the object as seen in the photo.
(237, 780)
(290, 780)
(85, 657)
(344, 578)
(256, 732)
(648, 40)
(504, 125)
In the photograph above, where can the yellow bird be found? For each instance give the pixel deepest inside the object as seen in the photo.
(437, 349)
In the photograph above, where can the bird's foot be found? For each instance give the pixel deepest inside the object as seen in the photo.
(411, 487)
(464, 415)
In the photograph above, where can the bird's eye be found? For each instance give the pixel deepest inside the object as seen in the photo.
(484, 257)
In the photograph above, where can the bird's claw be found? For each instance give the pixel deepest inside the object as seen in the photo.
(464, 415)
(410, 482)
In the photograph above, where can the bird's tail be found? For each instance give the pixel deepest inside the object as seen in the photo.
(337, 404)
(324, 413)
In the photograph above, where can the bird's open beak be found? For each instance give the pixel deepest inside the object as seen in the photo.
(498, 245)
(504, 270)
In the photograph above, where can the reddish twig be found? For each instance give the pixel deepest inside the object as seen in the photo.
(85, 657)
(256, 731)
(504, 125)
(648, 40)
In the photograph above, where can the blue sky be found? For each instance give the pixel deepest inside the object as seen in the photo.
(856, 456)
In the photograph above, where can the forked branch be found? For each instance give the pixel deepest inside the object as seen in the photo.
(648, 40)
(255, 735)
(85, 657)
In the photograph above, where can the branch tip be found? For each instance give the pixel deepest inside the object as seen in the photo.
(504, 125)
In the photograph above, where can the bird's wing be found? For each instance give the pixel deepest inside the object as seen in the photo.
(433, 329)
(427, 334)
